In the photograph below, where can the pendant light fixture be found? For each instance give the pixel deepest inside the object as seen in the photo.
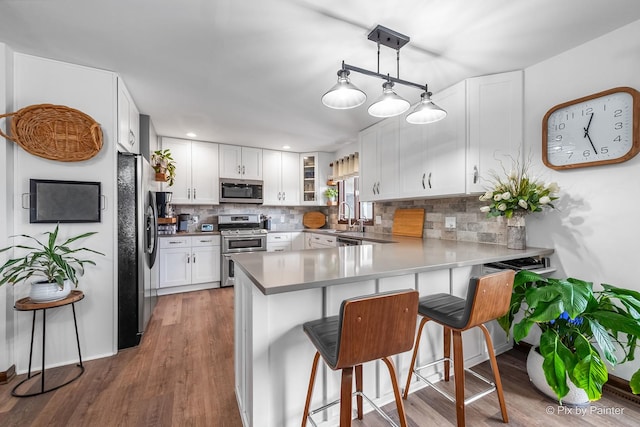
(389, 104)
(426, 111)
(345, 95)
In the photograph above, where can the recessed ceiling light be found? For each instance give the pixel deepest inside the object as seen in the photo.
(286, 147)
(191, 135)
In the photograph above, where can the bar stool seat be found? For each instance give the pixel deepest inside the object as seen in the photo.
(368, 328)
(488, 298)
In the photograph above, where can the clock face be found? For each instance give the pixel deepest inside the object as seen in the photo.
(595, 130)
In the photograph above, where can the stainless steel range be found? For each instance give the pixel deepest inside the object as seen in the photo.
(239, 233)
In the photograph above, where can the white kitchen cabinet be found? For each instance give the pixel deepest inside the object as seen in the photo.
(379, 161)
(315, 173)
(319, 241)
(432, 157)
(240, 162)
(281, 178)
(196, 181)
(495, 114)
(189, 262)
(278, 242)
(128, 121)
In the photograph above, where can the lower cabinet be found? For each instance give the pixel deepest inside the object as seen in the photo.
(189, 263)
(319, 241)
(278, 242)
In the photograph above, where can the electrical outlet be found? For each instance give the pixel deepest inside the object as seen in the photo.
(450, 222)
(378, 219)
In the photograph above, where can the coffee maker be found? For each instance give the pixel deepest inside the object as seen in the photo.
(163, 200)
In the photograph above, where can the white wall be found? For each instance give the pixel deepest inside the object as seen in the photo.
(6, 229)
(92, 91)
(595, 231)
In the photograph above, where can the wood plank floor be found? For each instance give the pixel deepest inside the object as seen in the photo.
(182, 375)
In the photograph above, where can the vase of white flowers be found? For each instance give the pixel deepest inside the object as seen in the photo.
(515, 194)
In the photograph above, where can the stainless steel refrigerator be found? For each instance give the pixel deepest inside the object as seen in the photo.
(137, 248)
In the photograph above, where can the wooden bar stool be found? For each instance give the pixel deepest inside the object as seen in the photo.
(487, 299)
(368, 328)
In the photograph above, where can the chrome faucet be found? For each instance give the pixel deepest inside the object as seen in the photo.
(341, 216)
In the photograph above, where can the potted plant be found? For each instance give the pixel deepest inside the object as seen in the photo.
(164, 165)
(515, 194)
(580, 327)
(56, 262)
(331, 194)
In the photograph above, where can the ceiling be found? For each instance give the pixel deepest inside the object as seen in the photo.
(252, 72)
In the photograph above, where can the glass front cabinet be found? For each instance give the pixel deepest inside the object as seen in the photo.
(315, 171)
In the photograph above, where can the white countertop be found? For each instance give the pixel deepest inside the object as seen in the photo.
(277, 272)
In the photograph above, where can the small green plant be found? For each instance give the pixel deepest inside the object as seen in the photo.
(54, 261)
(572, 318)
(331, 193)
(163, 163)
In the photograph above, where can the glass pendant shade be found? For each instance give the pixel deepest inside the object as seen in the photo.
(344, 95)
(426, 111)
(389, 104)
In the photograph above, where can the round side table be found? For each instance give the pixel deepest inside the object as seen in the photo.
(25, 304)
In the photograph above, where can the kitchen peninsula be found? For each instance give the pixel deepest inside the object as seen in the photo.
(277, 292)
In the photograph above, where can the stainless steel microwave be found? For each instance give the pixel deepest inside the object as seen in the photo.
(240, 191)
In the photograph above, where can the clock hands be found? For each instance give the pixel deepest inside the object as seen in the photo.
(586, 134)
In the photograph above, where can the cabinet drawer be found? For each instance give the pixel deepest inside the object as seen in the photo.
(278, 237)
(212, 240)
(174, 242)
(324, 240)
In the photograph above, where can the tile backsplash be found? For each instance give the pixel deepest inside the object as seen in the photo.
(471, 224)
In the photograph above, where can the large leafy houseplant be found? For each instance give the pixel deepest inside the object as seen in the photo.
(579, 326)
(51, 260)
(164, 164)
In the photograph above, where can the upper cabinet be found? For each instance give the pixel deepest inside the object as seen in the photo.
(495, 110)
(128, 121)
(315, 171)
(432, 157)
(196, 181)
(379, 161)
(281, 178)
(483, 127)
(240, 162)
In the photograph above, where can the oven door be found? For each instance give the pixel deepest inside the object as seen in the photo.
(249, 243)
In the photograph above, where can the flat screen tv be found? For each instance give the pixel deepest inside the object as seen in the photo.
(64, 201)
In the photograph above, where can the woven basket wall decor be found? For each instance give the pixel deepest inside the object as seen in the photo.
(55, 132)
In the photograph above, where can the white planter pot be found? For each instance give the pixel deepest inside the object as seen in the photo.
(576, 395)
(47, 292)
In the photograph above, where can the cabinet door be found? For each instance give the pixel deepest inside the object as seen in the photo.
(251, 163)
(290, 169)
(446, 144)
(181, 153)
(271, 185)
(205, 264)
(205, 186)
(230, 161)
(175, 267)
(495, 106)
(412, 153)
(134, 127)
(368, 163)
(387, 148)
(128, 121)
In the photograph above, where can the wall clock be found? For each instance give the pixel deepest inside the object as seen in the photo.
(598, 129)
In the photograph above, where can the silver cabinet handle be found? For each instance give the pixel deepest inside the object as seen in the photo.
(132, 137)
(188, 259)
(423, 176)
(284, 196)
(373, 189)
(194, 194)
(194, 258)
(188, 193)
(242, 169)
(429, 180)
(378, 187)
(238, 168)
(475, 174)
(279, 196)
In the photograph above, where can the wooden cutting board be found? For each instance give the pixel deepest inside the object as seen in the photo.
(313, 219)
(408, 222)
